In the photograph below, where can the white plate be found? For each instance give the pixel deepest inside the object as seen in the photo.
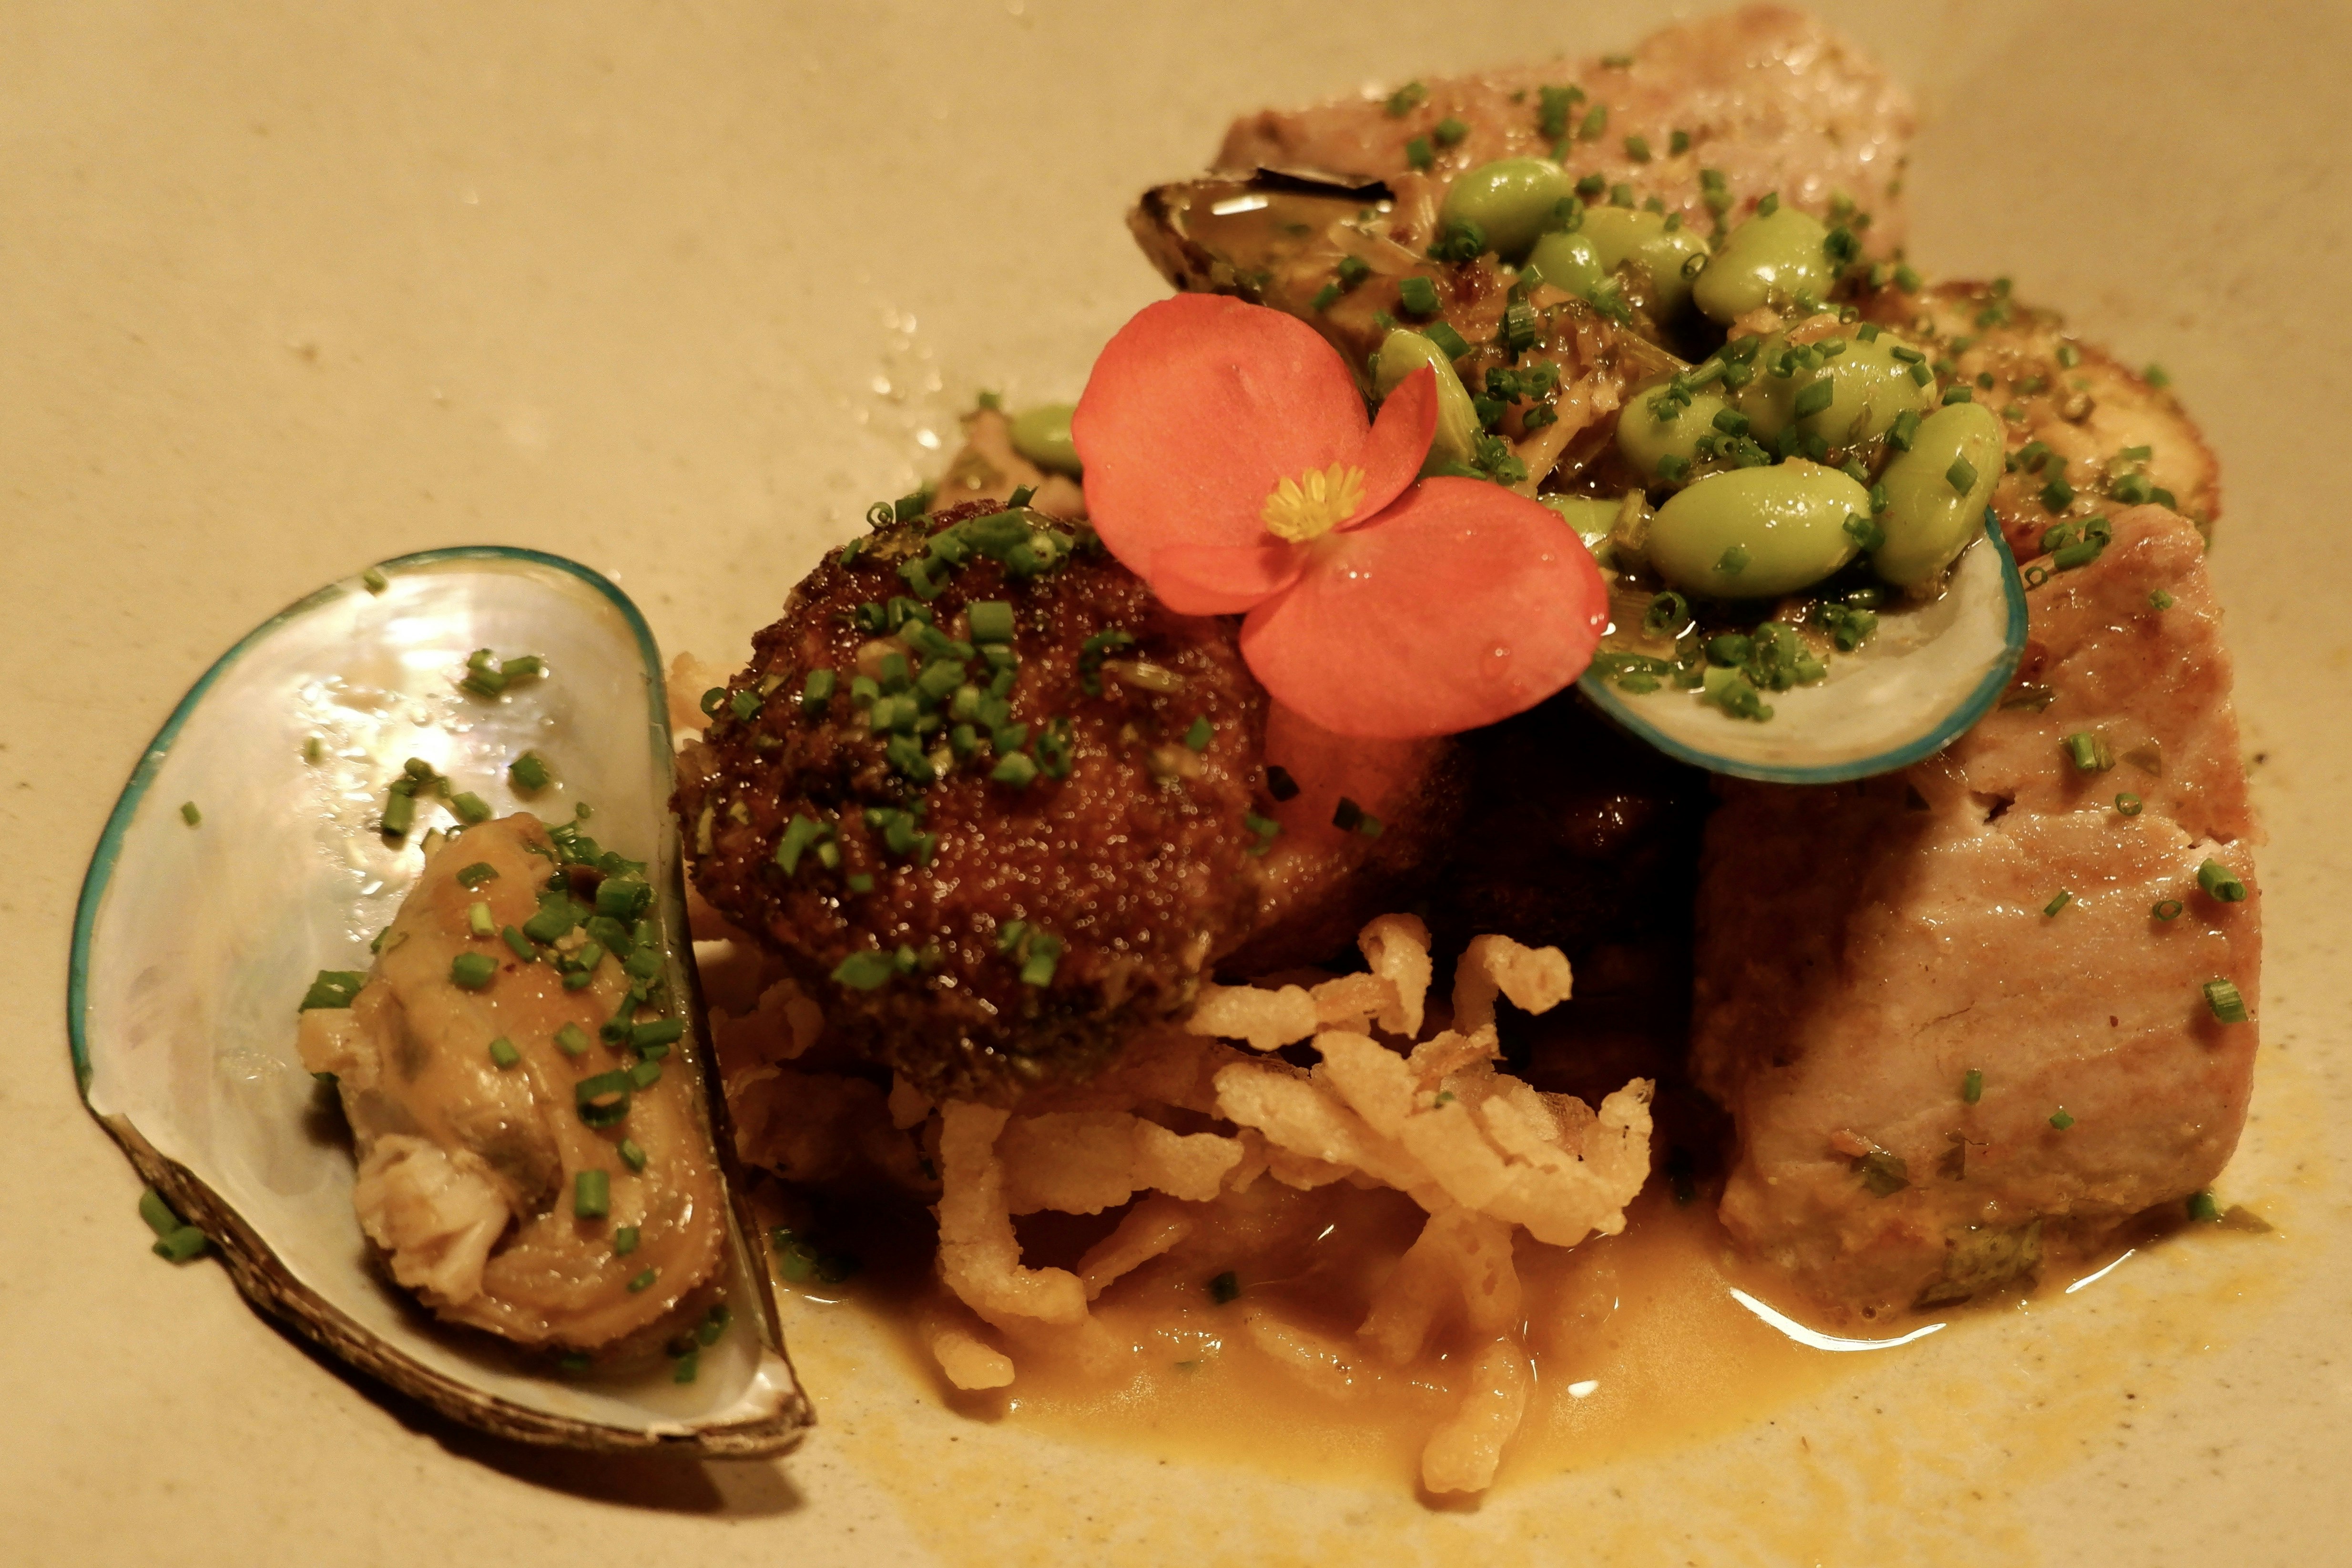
(677, 293)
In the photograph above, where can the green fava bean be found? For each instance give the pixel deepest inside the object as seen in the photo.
(1591, 517)
(1775, 255)
(1042, 435)
(1403, 352)
(1625, 233)
(1646, 439)
(1511, 199)
(1567, 261)
(1929, 521)
(1869, 389)
(1754, 533)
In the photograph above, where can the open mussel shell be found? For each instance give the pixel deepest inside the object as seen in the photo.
(1932, 669)
(192, 945)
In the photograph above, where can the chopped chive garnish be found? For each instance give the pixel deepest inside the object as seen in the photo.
(1904, 430)
(2127, 803)
(2220, 883)
(181, 1245)
(2201, 1206)
(645, 1075)
(1961, 475)
(603, 1099)
(472, 970)
(2223, 998)
(657, 1032)
(1224, 1288)
(2167, 909)
(859, 882)
(625, 1240)
(2060, 902)
(159, 1216)
(399, 812)
(479, 920)
(571, 1040)
(1199, 736)
(189, 814)
(374, 580)
(1450, 344)
(503, 1052)
(528, 773)
(592, 1195)
(475, 875)
(630, 1154)
(683, 1369)
(2061, 1121)
(332, 988)
(1972, 1086)
(1418, 296)
(1045, 952)
(2089, 751)
(1015, 769)
(865, 971)
(645, 1281)
(1732, 561)
(1417, 152)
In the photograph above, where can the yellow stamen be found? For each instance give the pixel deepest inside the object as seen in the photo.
(1314, 504)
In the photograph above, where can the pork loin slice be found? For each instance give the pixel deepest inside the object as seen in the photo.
(1863, 947)
(1767, 95)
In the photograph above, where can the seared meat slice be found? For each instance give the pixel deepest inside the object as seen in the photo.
(2092, 433)
(1766, 96)
(1863, 947)
(981, 933)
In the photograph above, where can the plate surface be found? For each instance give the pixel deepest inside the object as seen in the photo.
(677, 293)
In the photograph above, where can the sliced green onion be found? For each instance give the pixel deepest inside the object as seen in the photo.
(645, 1281)
(603, 1100)
(1418, 296)
(625, 1240)
(374, 580)
(479, 920)
(399, 812)
(2228, 1005)
(1045, 952)
(475, 875)
(1202, 733)
(472, 970)
(2061, 1121)
(1961, 475)
(158, 1214)
(2201, 1206)
(528, 773)
(630, 1154)
(181, 1246)
(503, 1052)
(2089, 751)
(2060, 902)
(865, 971)
(2161, 600)
(189, 814)
(683, 1369)
(1972, 1086)
(2167, 909)
(2220, 883)
(332, 988)
(1015, 769)
(645, 1075)
(592, 1195)
(571, 1040)
(2128, 805)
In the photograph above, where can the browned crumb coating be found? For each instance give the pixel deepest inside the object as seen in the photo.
(1136, 862)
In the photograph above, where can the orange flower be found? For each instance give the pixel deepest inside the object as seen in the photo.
(1230, 465)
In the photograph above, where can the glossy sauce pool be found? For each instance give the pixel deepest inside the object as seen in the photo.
(1640, 1345)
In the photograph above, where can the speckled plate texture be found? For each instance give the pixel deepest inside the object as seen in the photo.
(676, 292)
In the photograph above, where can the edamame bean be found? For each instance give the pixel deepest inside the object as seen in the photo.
(1868, 388)
(1403, 352)
(1511, 199)
(1590, 516)
(1567, 261)
(1753, 533)
(1930, 515)
(1774, 254)
(1647, 439)
(1625, 233)
(1042, 435)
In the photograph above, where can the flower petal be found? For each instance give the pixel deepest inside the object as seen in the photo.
(1399, 440)
(1223, 579)
(1194, 411)
(1460, 605)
